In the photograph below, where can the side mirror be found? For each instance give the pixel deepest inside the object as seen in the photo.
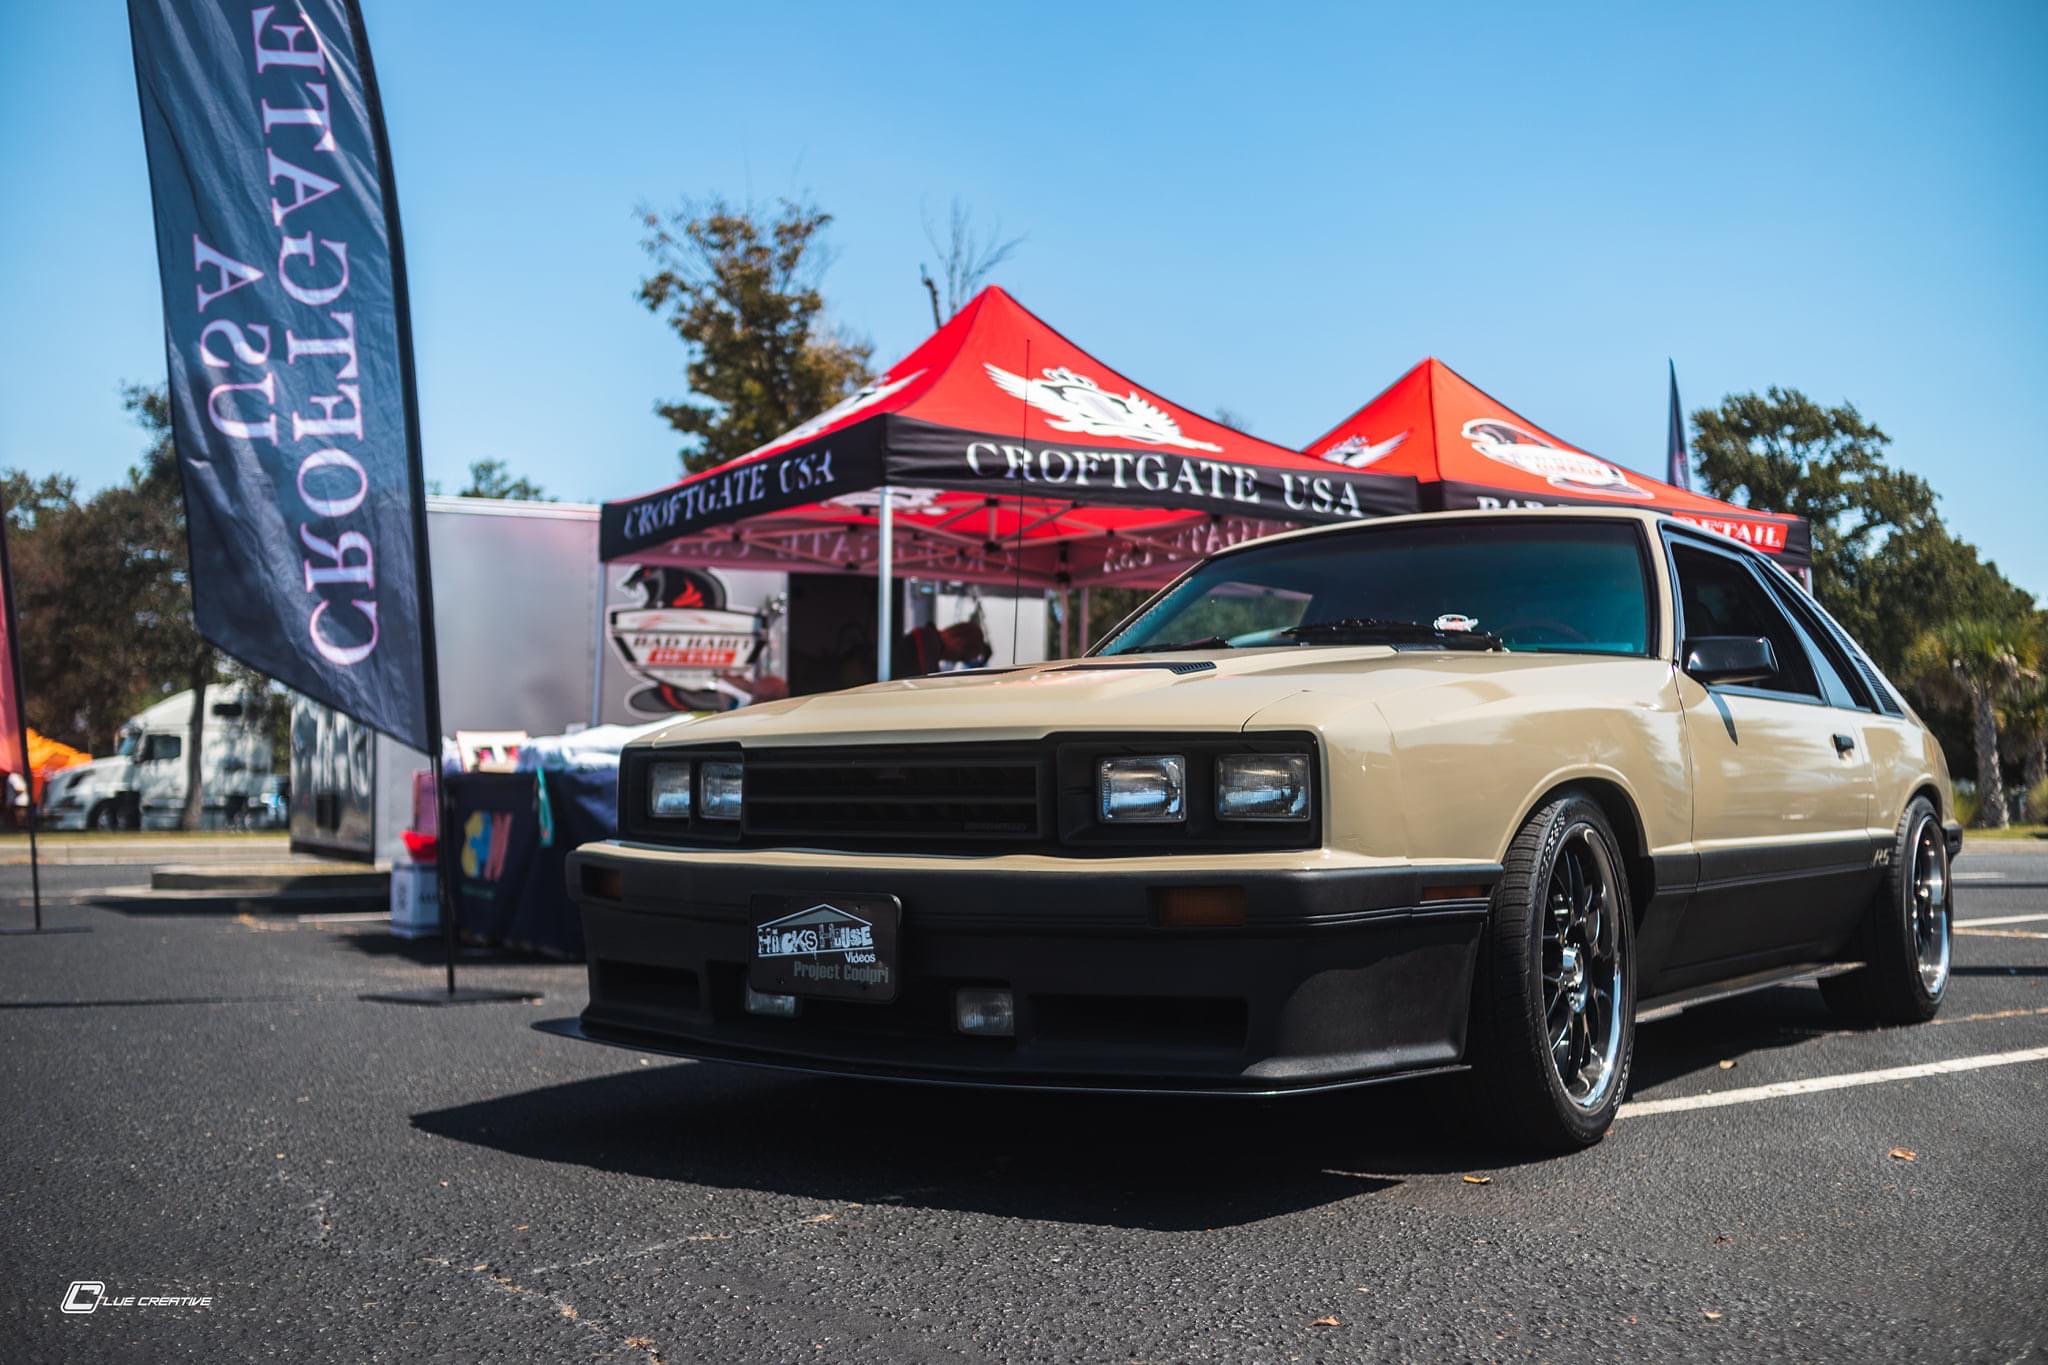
(1729, 658)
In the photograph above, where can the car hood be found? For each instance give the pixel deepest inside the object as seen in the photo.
(1220, 690)
(84, 774)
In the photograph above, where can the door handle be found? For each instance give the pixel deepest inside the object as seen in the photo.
(1844, 743)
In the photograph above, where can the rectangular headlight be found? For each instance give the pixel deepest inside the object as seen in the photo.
(1262, 787)
(1150, 790)
(721, 791)
(668, 791)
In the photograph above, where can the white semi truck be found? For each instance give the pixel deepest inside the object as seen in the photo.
(142, 784)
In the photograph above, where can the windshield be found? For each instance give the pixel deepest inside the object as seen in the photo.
(1566, 587)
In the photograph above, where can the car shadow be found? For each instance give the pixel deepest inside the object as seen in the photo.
(430, 951)
(1706, 1035)
(1150, 1163)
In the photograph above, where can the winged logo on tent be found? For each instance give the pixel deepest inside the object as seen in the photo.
(1077, 403)
(1353, 452)
(869, 394)
(1573, 471)
(900, 499)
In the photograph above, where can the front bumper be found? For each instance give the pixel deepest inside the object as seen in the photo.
(1341, 974)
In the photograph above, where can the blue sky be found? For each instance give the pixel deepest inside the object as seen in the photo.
(1274, 209)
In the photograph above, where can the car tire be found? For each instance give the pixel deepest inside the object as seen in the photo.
(1554, 1001)
(100, 817)
(1905, 939)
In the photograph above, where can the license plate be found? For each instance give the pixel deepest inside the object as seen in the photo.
(840, 947)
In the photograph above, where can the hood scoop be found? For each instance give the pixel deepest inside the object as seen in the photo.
(1179, 670)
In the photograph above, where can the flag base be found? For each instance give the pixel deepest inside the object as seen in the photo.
(49, 929)
(442, 996)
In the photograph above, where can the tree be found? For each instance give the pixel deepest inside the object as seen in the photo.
(156, 501)
(967, 257)
(2024, 720)
(492, 479)
(741, 291)
(1975, 663)
(1784, 452)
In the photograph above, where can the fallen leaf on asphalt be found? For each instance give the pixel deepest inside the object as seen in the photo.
(1727, 1064)
(1904, 1154)
(1330, 1321)
(1478, 1179)
(1722, 1239)
(481, 1265)
(1710, 1314)
(821, 1218)
(642, 1343)
(522, 1227)
(568, 1311)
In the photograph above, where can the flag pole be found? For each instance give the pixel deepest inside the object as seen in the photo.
(28, 773)
(430, 663)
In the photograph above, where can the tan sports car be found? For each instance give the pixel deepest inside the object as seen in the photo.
(1470, 791)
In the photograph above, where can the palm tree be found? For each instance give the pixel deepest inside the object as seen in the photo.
(2024, 718)
(1977, 665)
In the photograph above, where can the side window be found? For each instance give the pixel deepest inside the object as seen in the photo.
(156, 748)
(1834, 687)
(1836, 683)
(1718, 595)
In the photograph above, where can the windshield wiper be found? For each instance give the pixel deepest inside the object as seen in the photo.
(1206, 642)
(1394, 632)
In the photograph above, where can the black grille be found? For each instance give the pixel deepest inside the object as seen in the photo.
(981, 796)
(976, 797)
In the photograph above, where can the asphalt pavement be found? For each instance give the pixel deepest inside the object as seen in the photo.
(198, 1104)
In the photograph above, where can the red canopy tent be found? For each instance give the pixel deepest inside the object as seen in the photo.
(1010, 456)
(1468, 449)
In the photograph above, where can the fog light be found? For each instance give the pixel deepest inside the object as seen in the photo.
(989, 1011)
(774, 1006)
(1151, 790)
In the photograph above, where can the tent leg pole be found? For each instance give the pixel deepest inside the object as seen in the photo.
(1084, 621)
(885, 586)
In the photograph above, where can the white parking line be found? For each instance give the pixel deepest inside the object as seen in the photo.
(1641, 1108)
(1978, 876)
(1998, 919)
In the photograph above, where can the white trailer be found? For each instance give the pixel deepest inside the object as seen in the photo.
(142, 785)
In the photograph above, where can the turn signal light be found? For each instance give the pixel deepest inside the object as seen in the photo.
(1197, 907)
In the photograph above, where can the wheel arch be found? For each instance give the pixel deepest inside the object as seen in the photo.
(1925, 787)
(1619, 807)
